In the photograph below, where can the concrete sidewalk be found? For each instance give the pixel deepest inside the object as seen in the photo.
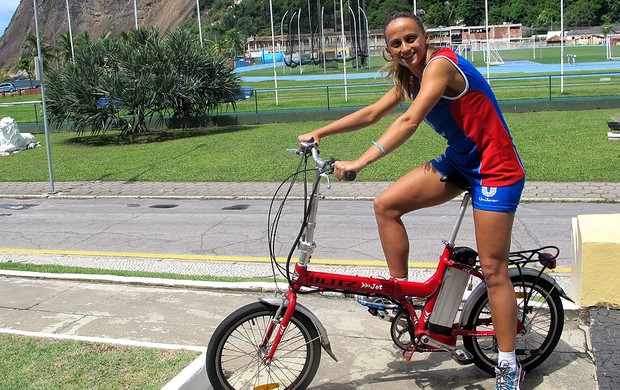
(533, 192)
(367, 357)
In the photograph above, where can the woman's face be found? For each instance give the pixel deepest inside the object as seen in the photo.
(406, 42)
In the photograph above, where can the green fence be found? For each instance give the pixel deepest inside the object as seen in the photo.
(549, 87)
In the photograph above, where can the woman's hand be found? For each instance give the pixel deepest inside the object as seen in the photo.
(342, 167)
(308, 137)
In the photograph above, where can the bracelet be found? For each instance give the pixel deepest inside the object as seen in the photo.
(380, 147)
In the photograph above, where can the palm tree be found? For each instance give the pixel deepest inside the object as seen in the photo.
(219, 46)
(235, 42)
(63, 49)
(29, 50)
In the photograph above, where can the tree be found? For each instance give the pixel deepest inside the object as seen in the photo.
(471, 12)
(439, 15)
(235, 42)
(4, 74)
(30, 51)
(74, 92)
(124, 83)
(26, 64)
(199, 82)
(583, 13)
(63, 49)
(547, 17)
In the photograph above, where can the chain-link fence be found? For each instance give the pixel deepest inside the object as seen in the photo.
(333, 97)
(550, 87)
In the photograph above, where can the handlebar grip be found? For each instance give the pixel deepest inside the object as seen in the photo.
(350, 175)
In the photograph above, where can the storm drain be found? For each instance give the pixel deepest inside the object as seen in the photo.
(163, 206)
(16, 206)
(237, 207)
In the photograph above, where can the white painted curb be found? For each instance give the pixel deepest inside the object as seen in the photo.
(194, 376)
(241, 286)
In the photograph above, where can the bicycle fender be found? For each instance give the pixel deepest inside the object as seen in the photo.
(276, 302)
(512, 272)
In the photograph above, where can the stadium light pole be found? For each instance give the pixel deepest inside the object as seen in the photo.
(199, 24)
(561, 46)
(282, 39)
(135, 11)
(273, 50)
(323, 39)
(70, 33)
(367, 36)
(344, 54)
(486, 28)
(39, 68)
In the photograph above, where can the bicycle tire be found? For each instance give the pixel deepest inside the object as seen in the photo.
(234, 357)
(543, 325)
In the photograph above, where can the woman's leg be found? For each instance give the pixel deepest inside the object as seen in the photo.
(418, 189)
(493, 236)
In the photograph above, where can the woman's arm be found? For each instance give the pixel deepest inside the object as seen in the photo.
(359, 119)
(439, 74)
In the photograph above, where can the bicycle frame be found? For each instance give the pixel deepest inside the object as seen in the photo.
(288, 339)
(396, 290)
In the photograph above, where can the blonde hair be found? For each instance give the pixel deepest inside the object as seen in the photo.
(401, 75)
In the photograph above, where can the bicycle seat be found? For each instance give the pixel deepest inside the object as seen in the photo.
(458, 180)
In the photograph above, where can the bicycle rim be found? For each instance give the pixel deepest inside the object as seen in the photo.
(237, 358)
(542, 319)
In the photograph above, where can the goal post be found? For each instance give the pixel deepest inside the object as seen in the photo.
(613, 47)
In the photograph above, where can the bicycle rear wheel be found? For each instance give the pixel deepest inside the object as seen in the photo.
(542, 319)
(235, 356)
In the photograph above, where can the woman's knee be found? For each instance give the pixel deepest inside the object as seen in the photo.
(495, 271)
(384, 207)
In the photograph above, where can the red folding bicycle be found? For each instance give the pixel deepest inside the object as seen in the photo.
(276, 343)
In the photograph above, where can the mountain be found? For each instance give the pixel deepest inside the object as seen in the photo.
(96, 17)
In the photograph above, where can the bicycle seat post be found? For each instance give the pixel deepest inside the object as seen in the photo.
(459, 218)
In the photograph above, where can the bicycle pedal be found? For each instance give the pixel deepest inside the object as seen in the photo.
(462, 357)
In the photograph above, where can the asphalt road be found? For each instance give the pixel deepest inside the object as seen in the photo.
(215, 229)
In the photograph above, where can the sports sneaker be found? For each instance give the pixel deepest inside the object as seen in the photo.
(378, 303)
(508, 379)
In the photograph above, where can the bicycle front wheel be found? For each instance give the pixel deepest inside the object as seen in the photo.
(235, 354)
(541, 314)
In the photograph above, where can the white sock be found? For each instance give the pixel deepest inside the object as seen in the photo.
(509, 357)
(402, 279)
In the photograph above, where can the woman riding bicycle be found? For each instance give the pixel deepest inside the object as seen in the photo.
(456, 100)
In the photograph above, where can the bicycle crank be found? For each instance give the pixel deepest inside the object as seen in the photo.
(461, 356)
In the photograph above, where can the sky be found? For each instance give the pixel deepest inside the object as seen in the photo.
(7, 9)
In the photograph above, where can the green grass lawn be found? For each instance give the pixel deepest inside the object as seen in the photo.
(554, 146)
(63, 269)
(37, 363)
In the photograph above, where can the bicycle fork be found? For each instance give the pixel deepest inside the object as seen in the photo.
(288, 305)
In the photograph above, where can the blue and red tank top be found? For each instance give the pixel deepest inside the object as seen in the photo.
(473, 124)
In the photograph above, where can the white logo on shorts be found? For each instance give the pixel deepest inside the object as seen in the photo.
(489, 191)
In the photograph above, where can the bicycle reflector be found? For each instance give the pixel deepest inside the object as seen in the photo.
(547, 260)
(268, 386)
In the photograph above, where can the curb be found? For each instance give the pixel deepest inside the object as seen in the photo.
(192, 377)
(142, 281)
(270, 197)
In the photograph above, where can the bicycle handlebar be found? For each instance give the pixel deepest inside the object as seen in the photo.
(324, 166)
